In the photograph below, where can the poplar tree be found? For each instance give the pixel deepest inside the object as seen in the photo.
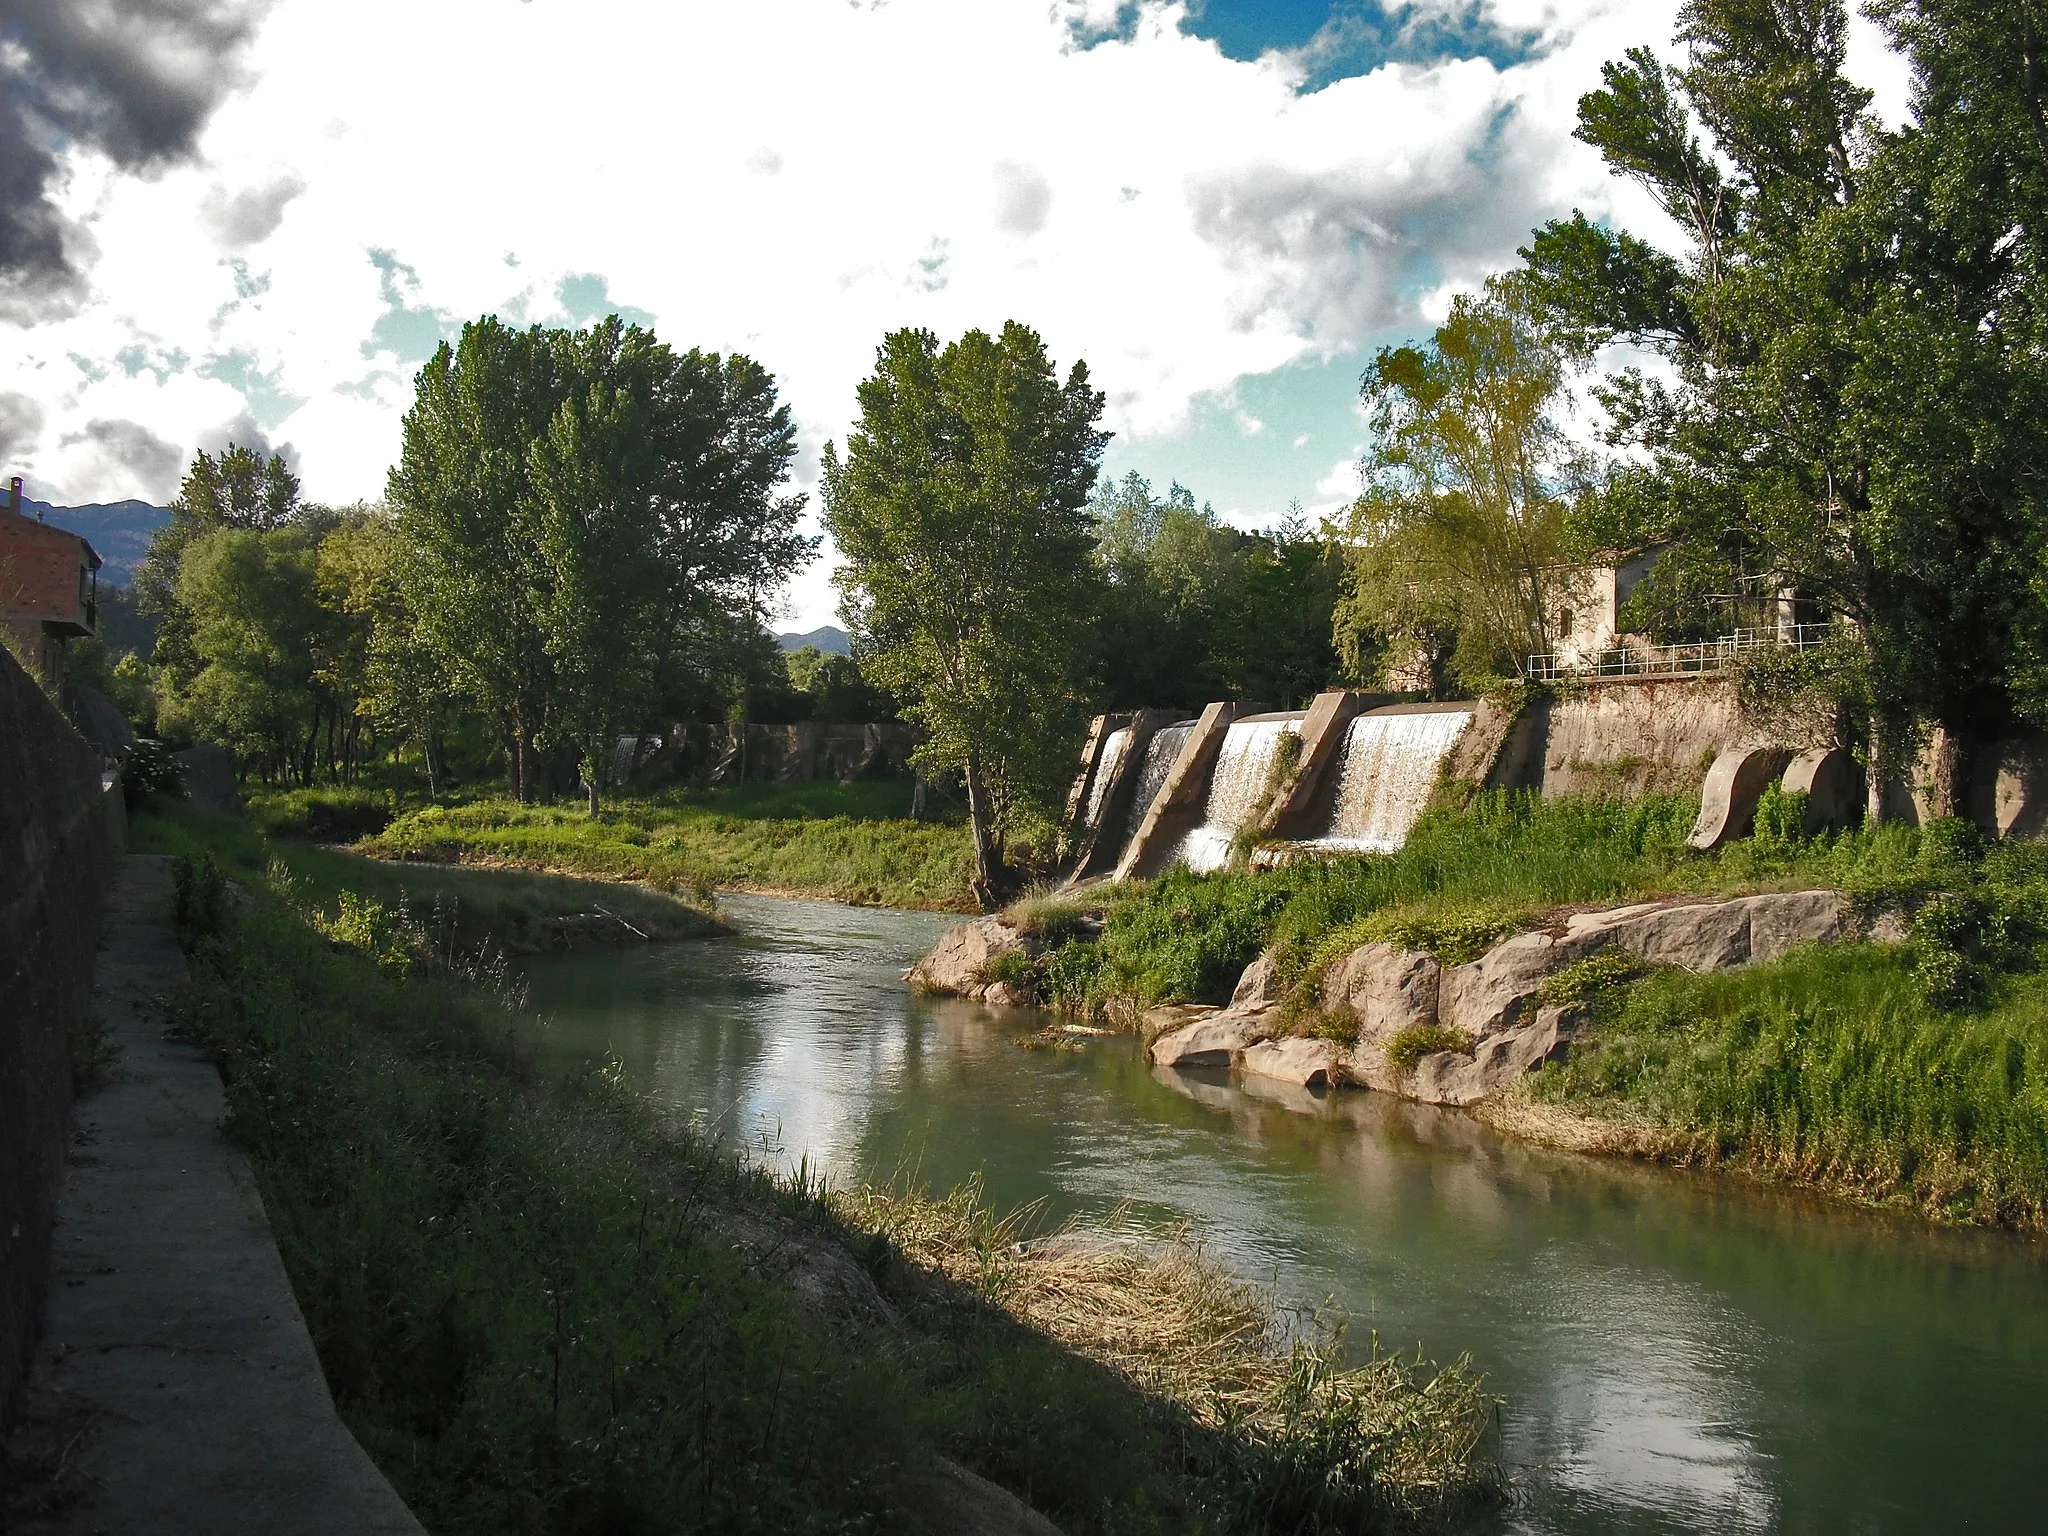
(961, 510)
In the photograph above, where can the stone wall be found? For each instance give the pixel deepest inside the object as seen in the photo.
(57, 849)
(1623, 737)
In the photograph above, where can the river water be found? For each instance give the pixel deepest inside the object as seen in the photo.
(1677, 1353)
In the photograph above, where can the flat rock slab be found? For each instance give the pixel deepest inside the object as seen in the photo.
(1213, 1041)
(169, 1311)
(1301, 1062)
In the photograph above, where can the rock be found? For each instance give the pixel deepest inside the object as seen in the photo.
(1259, 986)
(1302, 1062)
(1494, 991)
(1452, 1077)
(1890, 928)
(1388, 988)
(968, 1504)
(1168, 1017)
(959, 963)
(210, 779)
(1728, 798)
(1000, 994)
(1786, 919)
(1699, 936)
(1214, 1041)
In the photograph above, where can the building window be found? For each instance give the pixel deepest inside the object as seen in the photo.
(1564, 622)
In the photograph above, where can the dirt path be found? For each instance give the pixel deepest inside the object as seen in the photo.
(176, 1389)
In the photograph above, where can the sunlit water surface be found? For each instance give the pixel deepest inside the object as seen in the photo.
(1677, 1353)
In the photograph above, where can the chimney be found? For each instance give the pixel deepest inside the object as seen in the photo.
(14, 494)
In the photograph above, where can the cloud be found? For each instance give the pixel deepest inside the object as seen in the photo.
(21, 423)
(250, 216)
(1023, 198)
(133, 80)
(132, 447)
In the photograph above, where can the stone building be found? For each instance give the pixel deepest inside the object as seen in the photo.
(49, 586)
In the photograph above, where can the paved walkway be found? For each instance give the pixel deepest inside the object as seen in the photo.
(170, 1326)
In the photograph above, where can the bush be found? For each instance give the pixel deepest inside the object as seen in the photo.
(149, 771)
(1405, 1047)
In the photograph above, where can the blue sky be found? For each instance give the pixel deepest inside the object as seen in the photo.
(1223, 206)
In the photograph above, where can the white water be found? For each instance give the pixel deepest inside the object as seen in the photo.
(1160, 753)
(1105, 773)
(1385, 777)
(1242, 767)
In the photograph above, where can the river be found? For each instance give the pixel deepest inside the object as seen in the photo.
(1677, 1352)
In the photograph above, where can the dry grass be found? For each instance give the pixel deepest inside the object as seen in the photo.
(1386, 1442)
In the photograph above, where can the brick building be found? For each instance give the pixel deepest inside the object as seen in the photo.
(49, 585)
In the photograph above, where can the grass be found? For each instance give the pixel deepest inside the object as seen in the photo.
(1832, 1067)
(543, 1309)
(469, 909)
(846, 842)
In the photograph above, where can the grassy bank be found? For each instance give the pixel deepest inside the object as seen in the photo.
(1911, 1073)
(467, 911)
(845, 842)
(543, 1309)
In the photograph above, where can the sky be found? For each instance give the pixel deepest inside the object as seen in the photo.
(250, 221)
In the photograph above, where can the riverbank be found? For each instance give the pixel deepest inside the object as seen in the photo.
(1904, 1063)
(542, 1307)
(854, 843)
(460, 910)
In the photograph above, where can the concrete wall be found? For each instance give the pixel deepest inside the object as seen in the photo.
(1623, 737)
(57, 841)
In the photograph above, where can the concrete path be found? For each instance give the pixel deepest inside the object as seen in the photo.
(170, 1328)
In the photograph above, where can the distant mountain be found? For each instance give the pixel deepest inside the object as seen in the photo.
(119, 530)
(829, 639)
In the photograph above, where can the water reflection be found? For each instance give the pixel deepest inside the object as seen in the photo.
(1676, 1354)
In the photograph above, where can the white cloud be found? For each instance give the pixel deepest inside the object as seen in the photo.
(791, 181)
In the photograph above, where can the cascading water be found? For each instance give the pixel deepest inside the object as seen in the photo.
(1242, 767)
(1105, 773)
(1385, 777)
(1160, 754)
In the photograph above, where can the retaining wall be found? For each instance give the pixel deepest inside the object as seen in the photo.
(59, 836)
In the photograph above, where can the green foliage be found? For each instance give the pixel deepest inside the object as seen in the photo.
(961, 510)
(1834, 1066)
(200, 897)
(1406, 1047)
(853, 842)
(149, 771)
(1780, 815)
(1583, 980)
(323, 815)
(1459, 537)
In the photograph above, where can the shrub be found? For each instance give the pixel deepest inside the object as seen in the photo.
(1405, 1047)
(1781, 815)
(149, 770)
(1583, 980)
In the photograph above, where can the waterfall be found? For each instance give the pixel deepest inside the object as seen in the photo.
(1242, 768)
(1160, 753)
(1105, 773)
(1386, 775)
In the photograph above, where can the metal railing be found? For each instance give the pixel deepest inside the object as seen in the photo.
(1707, 659)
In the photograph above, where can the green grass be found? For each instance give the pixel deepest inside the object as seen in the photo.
(1833, 1067)
(1464, 878)
(534, 1313)
(472, 908)
(847, 842)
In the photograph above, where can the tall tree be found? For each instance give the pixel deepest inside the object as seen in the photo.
(1460, 534)
(1853, 329)
(961, 510)
(240, 488)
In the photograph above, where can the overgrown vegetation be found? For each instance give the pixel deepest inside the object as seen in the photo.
(848, 842)
(542, 1309)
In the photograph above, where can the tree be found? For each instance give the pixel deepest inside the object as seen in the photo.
(1854, 330)
(960, 508)
(242, 488)
(588, 517)
(1459, 540)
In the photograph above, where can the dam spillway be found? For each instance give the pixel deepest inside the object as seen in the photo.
(1385, 777)
(1113, 750)
(1237, 788)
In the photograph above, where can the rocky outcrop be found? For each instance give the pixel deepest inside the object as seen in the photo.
(1259, 987)
(1305, 1063)
(1385, 988)
(962, 962)
(1454, 1077)
(1214, 1038)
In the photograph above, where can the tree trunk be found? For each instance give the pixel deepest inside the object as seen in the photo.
(1876, 771)
(989, 874)
(1948, 785)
